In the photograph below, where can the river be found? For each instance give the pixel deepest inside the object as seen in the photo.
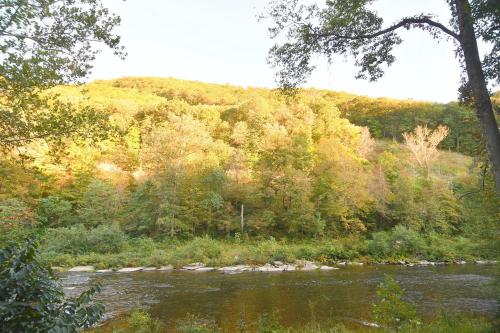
(342, 295)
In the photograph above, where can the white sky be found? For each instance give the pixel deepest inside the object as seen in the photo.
(221, 41)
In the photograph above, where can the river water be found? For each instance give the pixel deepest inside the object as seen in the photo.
(342, 295)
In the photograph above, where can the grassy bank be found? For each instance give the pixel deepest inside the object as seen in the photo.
(108, 248)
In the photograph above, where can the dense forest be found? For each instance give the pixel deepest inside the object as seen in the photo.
(183, 159)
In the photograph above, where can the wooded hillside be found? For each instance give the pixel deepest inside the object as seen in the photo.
(190, 158)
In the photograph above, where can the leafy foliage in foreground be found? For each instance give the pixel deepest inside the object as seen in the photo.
(32, 300)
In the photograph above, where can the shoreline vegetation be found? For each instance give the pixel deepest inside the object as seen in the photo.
(399, 246)
(139, 321)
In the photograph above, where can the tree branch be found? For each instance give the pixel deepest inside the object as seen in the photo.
(9, 22)
(405, 23)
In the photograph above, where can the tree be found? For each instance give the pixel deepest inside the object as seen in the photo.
(175, 151)
(100, 204)
(423, 144)
(43, 44)
(346, 27)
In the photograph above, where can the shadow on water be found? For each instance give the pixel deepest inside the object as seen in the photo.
(345, 294)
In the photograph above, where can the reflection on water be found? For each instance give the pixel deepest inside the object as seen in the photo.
(345, 294)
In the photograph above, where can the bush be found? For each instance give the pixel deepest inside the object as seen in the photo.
(400, 242)
(392, 310)
(106, 239)
(16, 220)
(270, 250)
(32, 300)
(196, 324)
(269, 323)
(54, 211)
(140, 322)
(379, 246)
(71, 240)
(200, 249)
(407, 242)
(335, 252)
(79, 240)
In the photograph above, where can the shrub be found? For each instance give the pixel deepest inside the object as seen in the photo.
(15, 221)
(334, 252)
(407, 241)
(396, 243)
(196, 324)
(71, 240)
(79, 240)
(392, 310)
(269, 323)
(32, 300)
(54, 211)
(143, 244)
(106, 239)
(305, 253)
(380, 245)
(270, 250)
(141, 322)
(199, 249)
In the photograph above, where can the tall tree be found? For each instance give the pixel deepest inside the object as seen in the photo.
(350, 27)
(44, 43)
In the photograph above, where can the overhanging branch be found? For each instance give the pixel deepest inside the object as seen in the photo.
(404, 23)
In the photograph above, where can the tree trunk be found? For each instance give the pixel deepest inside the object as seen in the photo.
(484, 109)
(242, 220)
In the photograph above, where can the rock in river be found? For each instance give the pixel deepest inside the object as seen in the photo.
(150, 269)
(327, 268)
(82, 269)
(269, 268)
(130, 269)
(309, 266)
(204, 269)
(194, 266)
(235, 269)
(165, 268)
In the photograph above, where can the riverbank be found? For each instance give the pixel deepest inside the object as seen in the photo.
(403, 248)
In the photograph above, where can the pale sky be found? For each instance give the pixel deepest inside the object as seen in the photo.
(221, 41)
